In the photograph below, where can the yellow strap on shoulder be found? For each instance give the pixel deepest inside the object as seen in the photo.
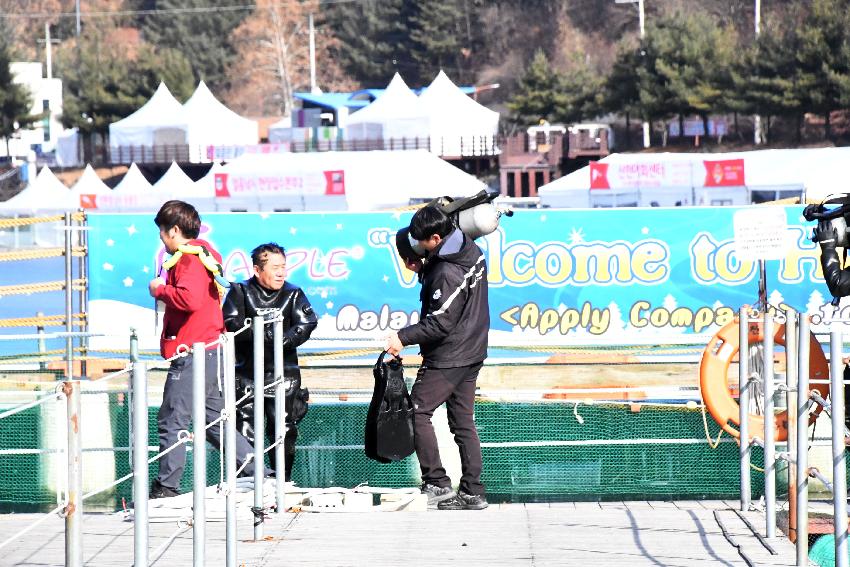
(207, 259)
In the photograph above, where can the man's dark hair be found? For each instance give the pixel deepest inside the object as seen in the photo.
(180, 214)
(260, 254)
(428, 221)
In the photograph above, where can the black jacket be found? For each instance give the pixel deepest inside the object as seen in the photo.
(248, 299)
(837, 280)
(455, 317)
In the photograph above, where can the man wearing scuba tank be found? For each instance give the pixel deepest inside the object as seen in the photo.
(452, 336)
(269, 295)
(192, 314)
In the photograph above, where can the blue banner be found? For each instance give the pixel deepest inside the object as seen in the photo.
(556, 276)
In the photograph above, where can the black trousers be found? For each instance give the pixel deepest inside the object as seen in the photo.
(456, 388)
(295, 411)
(175, 413)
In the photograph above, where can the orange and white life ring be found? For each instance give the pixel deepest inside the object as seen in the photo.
(714, 369)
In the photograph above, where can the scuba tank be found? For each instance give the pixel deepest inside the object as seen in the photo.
(476, 216)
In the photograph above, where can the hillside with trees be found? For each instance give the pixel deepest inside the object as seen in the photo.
(556, 60)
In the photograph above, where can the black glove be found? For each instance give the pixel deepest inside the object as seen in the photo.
(825, 234)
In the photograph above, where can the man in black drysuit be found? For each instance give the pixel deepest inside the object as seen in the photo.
(452, 336)
(269, 295)
(838, 282)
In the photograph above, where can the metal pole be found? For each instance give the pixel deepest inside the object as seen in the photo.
(74, 507)
(757, 129)
(77, 7)
(802, 477)
(140, 463)
(84, 299)
(199, 452)
(791, 353)
(42, 346)
(259, 424)
(744, 405)
(762, 286)
(313, 88)
(69, 341)
(134, 357)
(839, 472)
(769, 431)
(230, 446)
(280, 418)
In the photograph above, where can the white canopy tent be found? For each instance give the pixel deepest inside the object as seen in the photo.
(213, 124)
(89, 188)
(159, 121)
(45, 193)
(459, 125)
(396, 115)
(354, 181)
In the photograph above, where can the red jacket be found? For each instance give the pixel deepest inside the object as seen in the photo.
(192, 303)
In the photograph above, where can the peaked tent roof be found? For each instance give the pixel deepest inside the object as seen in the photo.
(46, 193)
(451, 110)
(211, 123)
(174, 182)
(133, 192)
(162, 110)
(459, 125)
(88, 187)
(396, 102)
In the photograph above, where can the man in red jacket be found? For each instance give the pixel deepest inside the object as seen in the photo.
(192, 314)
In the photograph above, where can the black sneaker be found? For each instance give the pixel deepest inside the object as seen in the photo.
(160, 491)
(464, 501)
(436, 493)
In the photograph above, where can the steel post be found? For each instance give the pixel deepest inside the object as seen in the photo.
(744, 405)
(839, 472)
(74, 507)
(280, 417)
(199, 452)
(69, 340)
(802, 471)
(230, 447)
(140, 463)
(791, 353)
(259, 423)
(769, 430)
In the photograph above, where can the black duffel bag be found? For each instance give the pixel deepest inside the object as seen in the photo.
(389, 422)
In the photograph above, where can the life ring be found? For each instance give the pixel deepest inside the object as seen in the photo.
(714, 368)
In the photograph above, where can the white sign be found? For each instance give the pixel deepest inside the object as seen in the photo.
(761, 233)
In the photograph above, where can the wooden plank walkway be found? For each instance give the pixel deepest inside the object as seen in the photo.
(680, 533)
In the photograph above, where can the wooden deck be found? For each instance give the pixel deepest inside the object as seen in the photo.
(681, 533)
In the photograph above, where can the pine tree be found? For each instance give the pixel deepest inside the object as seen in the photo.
(15, 99)
(540, 94)
(374, 40)
(202, 36)
(442, 32)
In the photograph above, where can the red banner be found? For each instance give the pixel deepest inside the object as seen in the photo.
(724, 173)
(88, 201)
(221, 185)
(599, 175)
(335, 182)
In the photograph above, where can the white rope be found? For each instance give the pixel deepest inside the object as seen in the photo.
(182, 527)
(28, 405)
(108, 377)
(245, 326)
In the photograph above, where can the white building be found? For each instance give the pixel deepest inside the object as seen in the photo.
(46, 95)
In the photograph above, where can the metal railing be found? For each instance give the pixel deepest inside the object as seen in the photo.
(799, 400)
(70, 504)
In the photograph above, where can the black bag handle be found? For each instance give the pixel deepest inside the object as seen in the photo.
(384, 353)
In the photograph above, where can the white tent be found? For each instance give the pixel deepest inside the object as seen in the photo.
(213, 124)
(68, 148)
(459, 125)
(89, 188)
(46, 193)
(355, 181)
(828, 175)
(396, 115)
(133, 193)
(159, 121)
